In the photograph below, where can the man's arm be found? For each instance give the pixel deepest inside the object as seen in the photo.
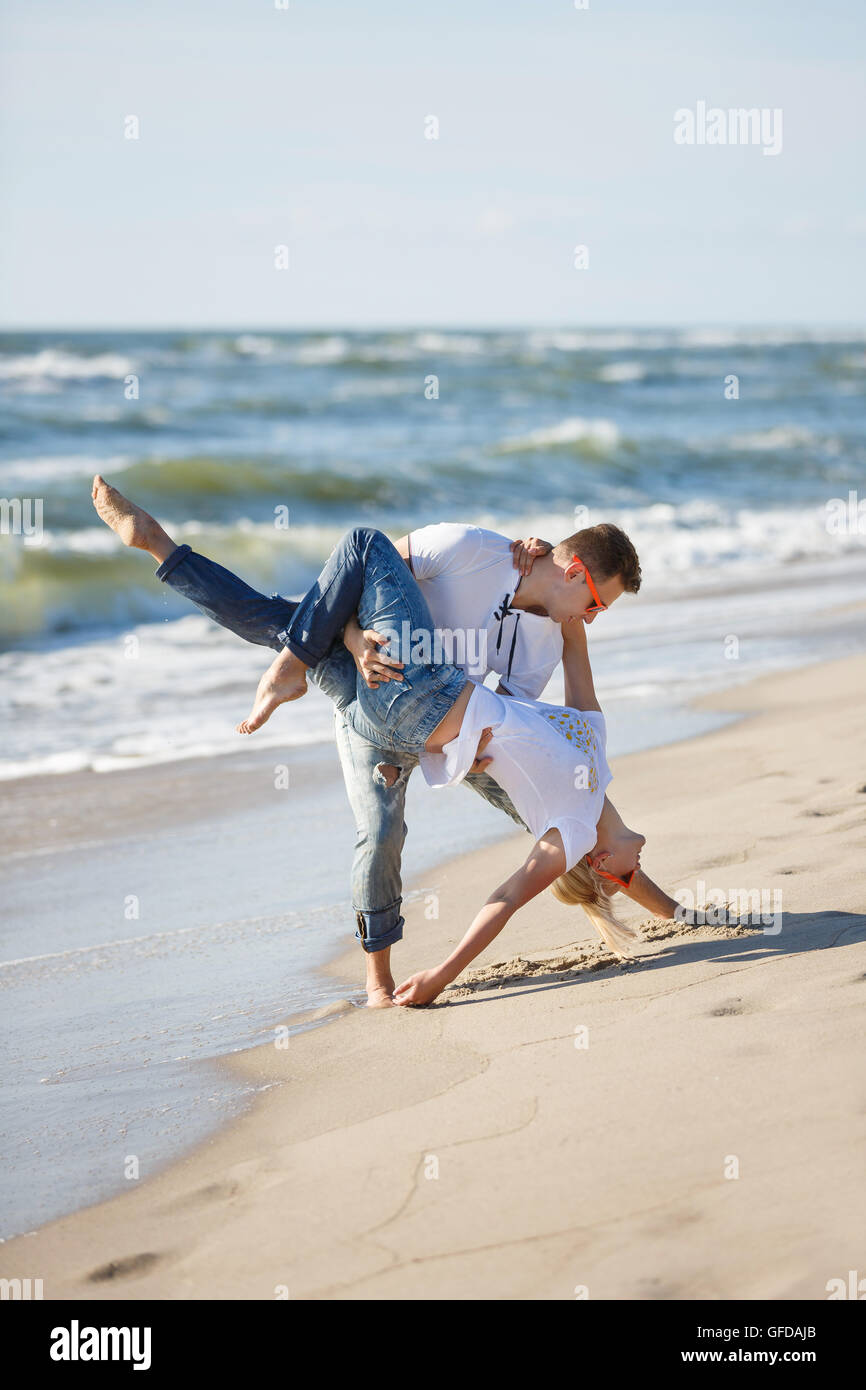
(365, 644)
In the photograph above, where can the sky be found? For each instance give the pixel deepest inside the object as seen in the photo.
(304, 127)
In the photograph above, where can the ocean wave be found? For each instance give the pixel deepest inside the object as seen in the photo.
(778, 438)
(696, 338)
(705, 543)
(213, 477)
(91, 707)
(460, 344)
(768, 337)
(321, 352)
(592, 436)
(64, 366)
(622, 372)
(20, 475)
(76, 581)
(253, 345)
(596, 340)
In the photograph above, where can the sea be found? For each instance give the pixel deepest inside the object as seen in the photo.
(734, 458)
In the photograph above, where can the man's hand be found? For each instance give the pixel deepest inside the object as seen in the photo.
(375, 665)
(420, 989)
(480, 763)
(526, 552)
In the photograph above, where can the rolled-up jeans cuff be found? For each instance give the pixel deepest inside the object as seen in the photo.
(174, 559)
(301, 652)
(378, 929)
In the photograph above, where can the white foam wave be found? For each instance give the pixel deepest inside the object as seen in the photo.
(252, 345)
(652, 339)
(321, 351)
(575, 430)
(621, 372)
(22, 473)
(461, 344)
(596, 340)
(64, 366)
(702, 543)
(158, 693)
(767, 337)
(776, 438)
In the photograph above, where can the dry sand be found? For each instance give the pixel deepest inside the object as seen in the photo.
(473, 1150)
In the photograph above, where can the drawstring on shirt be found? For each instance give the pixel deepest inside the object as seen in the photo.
(501, 613)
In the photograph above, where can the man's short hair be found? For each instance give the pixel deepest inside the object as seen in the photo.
(607, 553)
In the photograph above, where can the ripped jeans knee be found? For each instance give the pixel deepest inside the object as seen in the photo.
(387, 774)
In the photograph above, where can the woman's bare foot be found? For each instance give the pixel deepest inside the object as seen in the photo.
(285, 679)
(132, 524)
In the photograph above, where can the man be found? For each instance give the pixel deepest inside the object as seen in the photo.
(516, 617)
(515, 622)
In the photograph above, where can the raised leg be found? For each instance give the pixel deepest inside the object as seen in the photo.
(215, 591)
(134, 526)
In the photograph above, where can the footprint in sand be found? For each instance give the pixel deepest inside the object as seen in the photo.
(126, 1268)
(203, 1196)
(729, 1009)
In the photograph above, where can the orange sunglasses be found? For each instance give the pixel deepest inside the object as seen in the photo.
(597, 606)
(623, 882)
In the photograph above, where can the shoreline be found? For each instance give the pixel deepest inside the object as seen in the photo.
(342, 1139)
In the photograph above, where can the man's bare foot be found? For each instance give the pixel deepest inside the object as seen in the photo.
(285, 679)
(381, 998)
(132, 524)
(380, 981)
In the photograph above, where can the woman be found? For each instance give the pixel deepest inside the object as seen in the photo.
(549, 759)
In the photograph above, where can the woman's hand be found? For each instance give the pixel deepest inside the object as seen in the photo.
(421, 988)
(527, 552)
(375, 665)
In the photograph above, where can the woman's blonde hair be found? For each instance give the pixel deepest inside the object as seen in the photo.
(582, 887)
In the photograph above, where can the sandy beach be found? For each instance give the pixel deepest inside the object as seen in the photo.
(689, 1125)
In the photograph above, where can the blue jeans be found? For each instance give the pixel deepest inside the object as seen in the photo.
(366, 576)
(362, 742)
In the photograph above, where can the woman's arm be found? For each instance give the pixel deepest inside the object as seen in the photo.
(579, 689)
(545, 862)
(642, 890)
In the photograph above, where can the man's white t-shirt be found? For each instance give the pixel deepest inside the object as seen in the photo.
(468, 578)
(550, 759)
